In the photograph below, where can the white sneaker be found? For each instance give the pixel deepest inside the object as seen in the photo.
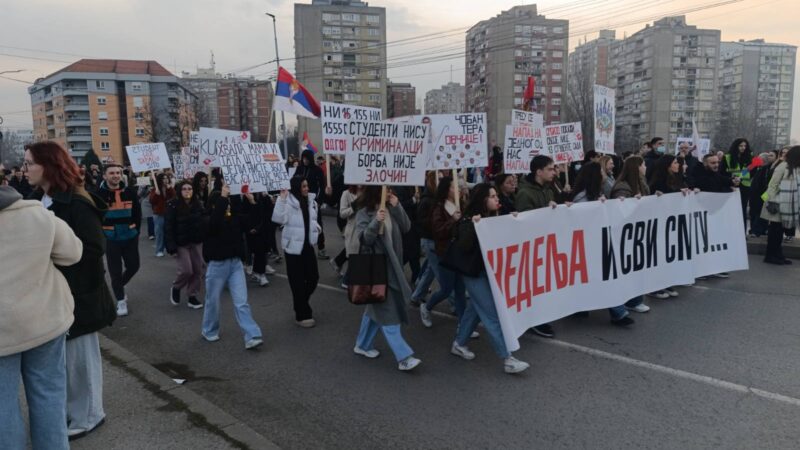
(210, 338)
(640, 308)
(513, 365)
(261, 279)
(253, 343)
(159, 254)
(308, 323)
(462, 351)
(659, 294)
(425, 315)
(269, 270)
(371, 354)
(248, 269)
(474, 335)
(408, 364)
(722, 275)
(671, 292)
(122, 308)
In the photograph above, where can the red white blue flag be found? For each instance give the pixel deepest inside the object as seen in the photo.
(293, 97)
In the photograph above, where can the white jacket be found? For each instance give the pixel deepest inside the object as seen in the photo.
(287, 213)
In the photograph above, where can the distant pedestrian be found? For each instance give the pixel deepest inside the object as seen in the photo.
(183, 237)
(161, 193)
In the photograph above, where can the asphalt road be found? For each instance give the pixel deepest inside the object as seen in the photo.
(716, 367)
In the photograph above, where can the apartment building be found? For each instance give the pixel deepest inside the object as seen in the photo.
(401, 99)
(449, 99)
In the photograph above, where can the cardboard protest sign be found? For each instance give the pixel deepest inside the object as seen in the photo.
(210, 139)
(151, 156)
(703, 146)
(564, 142)
(387, 153)
(142, 181)
(520, 117)
(457, 140)
(521, 145)
(604, 119)
(252, 167)
(335, 117)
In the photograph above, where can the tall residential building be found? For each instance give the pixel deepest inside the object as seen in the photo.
(590, 60)
(756, 90)
(340, 55)
(665, 77)
(401, 99)
(233, 103)
(106, 104)
(502, 52)
(449, 99)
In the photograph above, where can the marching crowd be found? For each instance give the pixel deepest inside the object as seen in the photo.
(59, 221)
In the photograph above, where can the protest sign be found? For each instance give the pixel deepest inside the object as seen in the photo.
(252, 167)
(151, 156)
(604, 114)
(457, 140)
(210, 139)
(521, 145)
(520, 117)
(142, 181)
(564, 142)
(335, 117)
(386, 153)
(549, 263)
(703, 146)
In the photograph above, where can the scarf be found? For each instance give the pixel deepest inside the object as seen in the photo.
(789, 200)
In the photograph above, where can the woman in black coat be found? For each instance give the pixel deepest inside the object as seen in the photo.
(183, 237)
(60, 188)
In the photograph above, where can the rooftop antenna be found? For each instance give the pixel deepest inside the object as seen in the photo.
(213, 65)
(451, 73)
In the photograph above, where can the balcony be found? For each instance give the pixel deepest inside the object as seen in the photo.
(49, 113)
(70, 92)
(51, 127)
(76, 106)
(79, 137)
(79, 122)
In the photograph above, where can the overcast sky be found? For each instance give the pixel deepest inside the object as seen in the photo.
(46, 35)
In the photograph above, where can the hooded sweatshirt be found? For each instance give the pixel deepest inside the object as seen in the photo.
(124, 215)
(35, 300)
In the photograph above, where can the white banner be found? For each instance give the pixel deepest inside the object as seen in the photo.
(532, 119)
(604, 114)
(550, 263)
(565, 142)
(386, 153)
(144, 157)
(522, 143)
(335, 117)
(209, 140)
(252, 167)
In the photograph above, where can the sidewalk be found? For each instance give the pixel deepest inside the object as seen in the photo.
(147, 409)
(758, 246)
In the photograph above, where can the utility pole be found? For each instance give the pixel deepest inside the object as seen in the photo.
(278, 61)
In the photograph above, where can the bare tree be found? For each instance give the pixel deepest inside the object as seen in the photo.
(743, 121)
(11, 148)
(171, 124)
(579, 105)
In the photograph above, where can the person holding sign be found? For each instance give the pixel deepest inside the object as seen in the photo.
(297, 211)
(315, 179)
(387, 316)
(162, 193)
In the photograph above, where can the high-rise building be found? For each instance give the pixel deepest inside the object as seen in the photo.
(106, 104)
(502, 52)
(665, 77)
(340, 55)
(449, 99)
(401, 99)
(756, 89)
(589, 60)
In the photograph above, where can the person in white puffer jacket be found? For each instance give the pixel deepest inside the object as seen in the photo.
(297, 211)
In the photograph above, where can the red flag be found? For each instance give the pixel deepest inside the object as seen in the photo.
(528, 103)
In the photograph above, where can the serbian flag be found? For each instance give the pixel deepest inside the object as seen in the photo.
(528, 103)
(307, 145)
(293, 97)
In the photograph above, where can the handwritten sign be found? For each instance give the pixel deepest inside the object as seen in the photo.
(702, 149)
(335, 117)
(252, 167)
(521, 145)
(151, 156)
(604, 113)
(209, 141)
(387, 153)
(520, 117)
(564, 142)
(457, 140)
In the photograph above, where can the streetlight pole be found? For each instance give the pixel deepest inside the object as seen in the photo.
(278, 61)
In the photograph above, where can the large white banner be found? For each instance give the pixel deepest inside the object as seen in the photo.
(209, 140)
(550, 263)
(335, 117)
(604, 114)
(386, 153)
(145, 157)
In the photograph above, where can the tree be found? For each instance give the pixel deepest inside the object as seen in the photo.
(91, 158)
(170, 125)
(11, 148)
(579, 106)
(737, 121)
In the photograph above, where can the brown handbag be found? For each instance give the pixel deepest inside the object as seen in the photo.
(366, 278)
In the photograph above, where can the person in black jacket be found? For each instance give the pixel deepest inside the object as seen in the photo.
(60, 188)
(183, 236)
(409, 199)
(200, 187)
(709, 177)
(666, 176)
(223, 248)
(315, 177)
(258, 209)
(422, 225)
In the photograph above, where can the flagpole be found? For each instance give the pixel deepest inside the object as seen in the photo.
(278, 60)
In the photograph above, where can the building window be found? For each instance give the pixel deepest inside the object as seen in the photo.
(375, 98)
(558, 54)
(374, 85)
(100, 84)
(140, 132)
(373, 31)
(558, 29)
(102, 115)
(104, 146)
(373, 20)
(328, 17)
(103, 131)
(138, 102)
(136, 87)
(138, 116)
(101, 100)
(350, 17)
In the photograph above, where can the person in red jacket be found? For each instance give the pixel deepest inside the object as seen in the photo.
(162, 193)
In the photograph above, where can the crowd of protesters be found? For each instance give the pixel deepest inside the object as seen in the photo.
(59, 299)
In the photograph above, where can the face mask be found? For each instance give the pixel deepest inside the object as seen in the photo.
(661, 149)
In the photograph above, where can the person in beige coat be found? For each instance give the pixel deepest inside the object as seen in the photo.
(36, 310)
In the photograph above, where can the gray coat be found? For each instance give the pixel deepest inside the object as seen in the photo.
(394, 310)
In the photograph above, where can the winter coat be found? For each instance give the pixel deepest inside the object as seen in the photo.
(159, 201)
(224, 239)
(424, 209)
(709, 181)
(780, 173)
(624, 190)
(124, 215)
(313, 175)
(532, 195)
(95, 308)
(442, 224)
(347, 212)
(287, 213)
(36, 305)
(183, 225)
(506, 203)
(144, 200)
(394, 310)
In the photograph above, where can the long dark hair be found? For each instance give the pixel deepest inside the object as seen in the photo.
(296, 185)
(477, 201)
(500, 180)
(630, 174)
(181, 205)
(370, 198)
(160, 183)
(662, 175)
(590, 179)
(793, 159)
(740, 159)
(443, 190)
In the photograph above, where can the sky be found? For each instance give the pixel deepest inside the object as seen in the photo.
(42, 36)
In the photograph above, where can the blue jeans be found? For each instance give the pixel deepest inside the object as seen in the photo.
(481, 308)
(427, 276)
(394, 337)
(218, 274)
(619, 312)
(158, 224)
(44, 374)
(449, 283)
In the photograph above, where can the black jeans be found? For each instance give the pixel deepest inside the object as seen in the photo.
(321, 238)
(341, 258)
(744, 192)
(303, 277)
(774, 242)
(257, 247)
(117, 253)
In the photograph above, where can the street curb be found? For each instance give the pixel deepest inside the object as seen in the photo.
(759, 247)
(198, 408)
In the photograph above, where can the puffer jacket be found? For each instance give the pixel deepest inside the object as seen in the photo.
(183, 226)
(287, 213)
